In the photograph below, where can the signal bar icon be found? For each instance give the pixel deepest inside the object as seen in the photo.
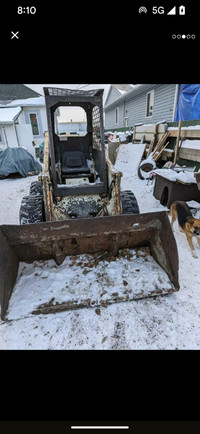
(172, 11)
(142, 9)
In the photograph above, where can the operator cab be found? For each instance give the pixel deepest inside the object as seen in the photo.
(77, 150)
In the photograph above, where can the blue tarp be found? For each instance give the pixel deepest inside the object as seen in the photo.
(188, 106)
(17, 160)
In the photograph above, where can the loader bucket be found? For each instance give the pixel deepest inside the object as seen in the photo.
(58, 239)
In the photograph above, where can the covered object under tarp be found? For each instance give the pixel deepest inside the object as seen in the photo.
(188, 106)
(17, 160)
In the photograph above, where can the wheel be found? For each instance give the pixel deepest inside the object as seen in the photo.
(36, 189)
(31, 210)
(146, 167)
(129, 203)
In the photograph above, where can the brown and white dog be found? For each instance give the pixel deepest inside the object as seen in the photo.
(187, 223)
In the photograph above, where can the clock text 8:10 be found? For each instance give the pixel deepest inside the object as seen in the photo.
(26, 10)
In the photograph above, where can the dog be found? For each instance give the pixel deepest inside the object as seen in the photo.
(187, 223)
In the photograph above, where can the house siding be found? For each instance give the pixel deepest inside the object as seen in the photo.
(110, 118)
(135, 108)
(113, 95)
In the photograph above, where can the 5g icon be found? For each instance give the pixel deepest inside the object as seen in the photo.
(158, 10)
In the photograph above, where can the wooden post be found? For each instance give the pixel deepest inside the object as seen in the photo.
(177, 141)
(153, 141)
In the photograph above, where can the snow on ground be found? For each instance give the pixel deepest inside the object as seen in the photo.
(165, 322)
(11, 192)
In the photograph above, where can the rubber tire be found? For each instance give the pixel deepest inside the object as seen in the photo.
(35, 189)
(31, 210)
(129, 203)
(147, 167)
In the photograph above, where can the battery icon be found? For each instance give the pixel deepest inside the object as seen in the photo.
(181, 10)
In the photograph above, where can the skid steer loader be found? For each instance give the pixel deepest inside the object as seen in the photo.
(77, 206)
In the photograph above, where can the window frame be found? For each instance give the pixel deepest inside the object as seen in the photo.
(2, 142)
(148, 100)
(39, 122)
(117, 115)
(126, 122)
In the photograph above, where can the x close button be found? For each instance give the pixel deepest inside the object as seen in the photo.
(14, 35)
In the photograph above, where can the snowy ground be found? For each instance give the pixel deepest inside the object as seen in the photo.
(167, 322)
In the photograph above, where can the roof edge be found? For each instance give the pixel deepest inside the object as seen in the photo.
(139, 88)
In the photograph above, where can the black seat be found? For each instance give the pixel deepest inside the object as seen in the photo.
(74, 163)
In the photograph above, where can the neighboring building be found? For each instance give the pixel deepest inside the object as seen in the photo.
(11, 92)
(115, 91)
(79, 128)
(144, 103)
(22, 117)
(71, 119)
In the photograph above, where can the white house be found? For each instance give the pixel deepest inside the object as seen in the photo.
(22, 117)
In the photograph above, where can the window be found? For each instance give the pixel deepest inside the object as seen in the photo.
(149, 104)
(117, 115)
(34, 123)
(33, 117)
